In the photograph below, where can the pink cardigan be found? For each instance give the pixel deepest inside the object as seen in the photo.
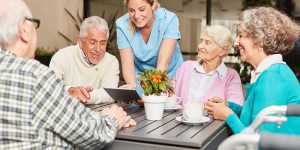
(230, 88)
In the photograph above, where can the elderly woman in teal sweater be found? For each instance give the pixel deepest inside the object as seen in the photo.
(264, 34)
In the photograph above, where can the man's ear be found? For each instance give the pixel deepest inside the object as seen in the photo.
(24, 31)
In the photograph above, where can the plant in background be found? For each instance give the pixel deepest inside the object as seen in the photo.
(256, 3)
(44, 55)
(77, 22)
(155, 82)
(242, 68)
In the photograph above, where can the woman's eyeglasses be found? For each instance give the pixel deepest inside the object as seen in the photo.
(36, 22)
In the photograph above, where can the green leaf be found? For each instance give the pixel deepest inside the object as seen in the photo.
(142, 78)
(147, 90)
(155, 86)
(151, 90)
(162, 87)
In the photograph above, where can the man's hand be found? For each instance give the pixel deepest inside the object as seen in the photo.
(81, 93)
(123, 119)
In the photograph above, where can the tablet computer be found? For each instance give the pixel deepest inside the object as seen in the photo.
(125, 95)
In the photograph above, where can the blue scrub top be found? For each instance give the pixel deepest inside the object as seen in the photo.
(166, 25)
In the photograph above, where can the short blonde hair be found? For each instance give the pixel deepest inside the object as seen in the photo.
(131, 24)
(220, 35)
(270, 29)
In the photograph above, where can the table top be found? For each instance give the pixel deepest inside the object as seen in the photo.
(166, 131)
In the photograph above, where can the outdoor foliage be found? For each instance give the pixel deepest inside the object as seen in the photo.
(44, 55)
(155, 82)
(256, 3)
(286, 6)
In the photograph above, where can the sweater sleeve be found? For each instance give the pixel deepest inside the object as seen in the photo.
(233, 120)
(237, 109)
(57, 65)
(110, 79)
(265, 96)
(234, 89)
(235, 123)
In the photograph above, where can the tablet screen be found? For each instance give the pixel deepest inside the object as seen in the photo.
(125, 95)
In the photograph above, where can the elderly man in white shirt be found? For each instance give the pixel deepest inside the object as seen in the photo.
(86, 68)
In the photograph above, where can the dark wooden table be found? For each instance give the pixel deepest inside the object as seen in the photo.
(166, 134)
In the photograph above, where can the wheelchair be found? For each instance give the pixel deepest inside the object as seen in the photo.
(250, 138)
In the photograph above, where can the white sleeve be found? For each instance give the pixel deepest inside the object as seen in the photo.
(57, 65)
(110, 80)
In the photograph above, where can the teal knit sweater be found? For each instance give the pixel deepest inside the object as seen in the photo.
(277, 85)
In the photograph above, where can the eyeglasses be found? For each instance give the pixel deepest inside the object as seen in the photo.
(36, 22)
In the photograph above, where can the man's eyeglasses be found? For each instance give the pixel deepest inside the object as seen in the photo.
(36, 22)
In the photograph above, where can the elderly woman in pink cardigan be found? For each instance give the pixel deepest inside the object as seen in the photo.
(198, 81)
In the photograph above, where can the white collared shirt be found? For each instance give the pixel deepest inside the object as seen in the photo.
(201, 81)
(86, 61)
(264, 64)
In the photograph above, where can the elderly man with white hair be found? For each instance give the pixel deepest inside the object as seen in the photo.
(35, 111)
(86, 68)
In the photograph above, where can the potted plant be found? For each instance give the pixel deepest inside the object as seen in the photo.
(156, 86)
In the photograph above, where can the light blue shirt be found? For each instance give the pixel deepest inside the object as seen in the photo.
(166, 25)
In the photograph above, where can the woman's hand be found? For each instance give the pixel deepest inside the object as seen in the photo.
(219, 110)
(128, 86)
(133, 87)
(218, 100)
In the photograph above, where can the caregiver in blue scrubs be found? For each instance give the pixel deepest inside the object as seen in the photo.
(147, 38)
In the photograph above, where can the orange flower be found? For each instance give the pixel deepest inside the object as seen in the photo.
(170, 94)
(166, 78)
(156, 78)
(143, 84)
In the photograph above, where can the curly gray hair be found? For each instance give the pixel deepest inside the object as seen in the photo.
(274, 31)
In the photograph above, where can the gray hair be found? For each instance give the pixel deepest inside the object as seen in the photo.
(93, 22)
(220, 34)
(11, 12)
(274, 31)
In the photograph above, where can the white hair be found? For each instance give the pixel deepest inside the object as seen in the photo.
(220, 34)
(93, 22)
(11, 13)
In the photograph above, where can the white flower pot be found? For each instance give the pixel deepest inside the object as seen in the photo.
(154, 106)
